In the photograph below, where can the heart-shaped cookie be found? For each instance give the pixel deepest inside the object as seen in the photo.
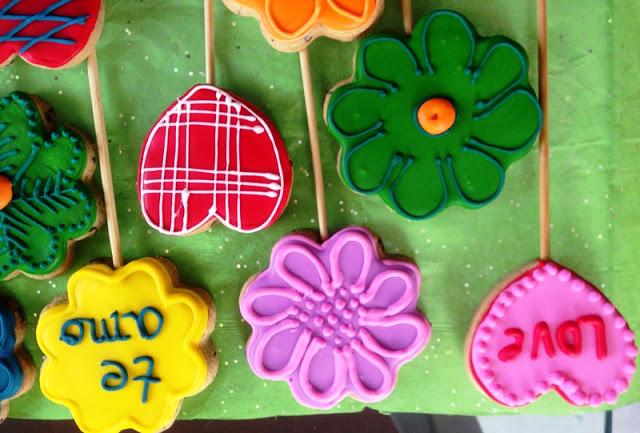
(213, 156)
(49, 33)
(550, 329)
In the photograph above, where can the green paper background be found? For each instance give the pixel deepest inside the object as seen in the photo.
(152, 51)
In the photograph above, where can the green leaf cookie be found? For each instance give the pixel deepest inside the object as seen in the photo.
(434, 120)
(45, 203)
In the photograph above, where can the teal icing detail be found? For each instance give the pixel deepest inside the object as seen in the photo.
(121, 377)
(523, 73)
(67, 337)
(148, 378)
(11, 374)
(27, 163)
(452, 71)
(441, 205)
(393, 87)
(374, 128)
(468, 200)
(395, 160)
(470, 31)
(48, 190)
(139, 318)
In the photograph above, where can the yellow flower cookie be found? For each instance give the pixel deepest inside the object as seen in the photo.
(126, 347)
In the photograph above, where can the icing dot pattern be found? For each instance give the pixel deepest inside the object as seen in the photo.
(51, 205)
(549, 329)
(334, 319)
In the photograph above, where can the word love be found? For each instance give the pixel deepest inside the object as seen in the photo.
(148, 322)
(568, 338)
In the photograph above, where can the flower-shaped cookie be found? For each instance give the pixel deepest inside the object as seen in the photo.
(126, 348)
(435, 120)
(45, 204)
(334, 319)
(16, 369)
(292, 25)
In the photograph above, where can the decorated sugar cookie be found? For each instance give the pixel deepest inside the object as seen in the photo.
(45, 203)
(434, 120)
(49, 33)
(546, 330)
(334, 320)
(292, 25)
(213, 157)
(126, 347)
(17, 372)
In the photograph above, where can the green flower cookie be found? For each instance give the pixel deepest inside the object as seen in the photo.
(44, 203)
(435, 120)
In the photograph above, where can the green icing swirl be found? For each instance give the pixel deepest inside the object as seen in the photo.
(386, 152)
(51, 204)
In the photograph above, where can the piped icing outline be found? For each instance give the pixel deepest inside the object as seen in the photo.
(415, 50)
(75, 26)
(112, 347)
(16, 365)
(545, 346)
(42, 189)
(342, 308)
(275, 184)
(329, 18)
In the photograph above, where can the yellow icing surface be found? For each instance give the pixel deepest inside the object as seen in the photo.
(72, 374)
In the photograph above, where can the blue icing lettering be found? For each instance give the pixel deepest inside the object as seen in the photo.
(114, 381)
(109, 330)
(142, 328)
(148, 378)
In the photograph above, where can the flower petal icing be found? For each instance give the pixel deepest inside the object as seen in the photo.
(448, 42)
(503, 67)
(420, 189)
(370, 374)
(343, 324)
(493, 130)
(280, 354)
(416, 105)
(322, 377)
(477, 176)
(292, 25)
(291, 21)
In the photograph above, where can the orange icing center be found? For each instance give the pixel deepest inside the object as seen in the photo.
(6, 192)
(437, 116)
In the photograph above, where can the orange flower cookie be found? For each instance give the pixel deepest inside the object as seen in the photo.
(292, 25)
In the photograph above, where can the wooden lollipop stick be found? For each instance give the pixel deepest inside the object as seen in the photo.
(105, 162)
(209, 41)
(545, 222)
(407, 16)
(314, 140)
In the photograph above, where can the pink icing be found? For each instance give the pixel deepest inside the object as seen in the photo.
(551, 329)
(334, 319)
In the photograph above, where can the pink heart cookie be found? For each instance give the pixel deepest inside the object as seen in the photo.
(551, 329)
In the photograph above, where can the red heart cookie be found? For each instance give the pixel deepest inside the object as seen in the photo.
(550, 329)
(49, 33)
(213, 156)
